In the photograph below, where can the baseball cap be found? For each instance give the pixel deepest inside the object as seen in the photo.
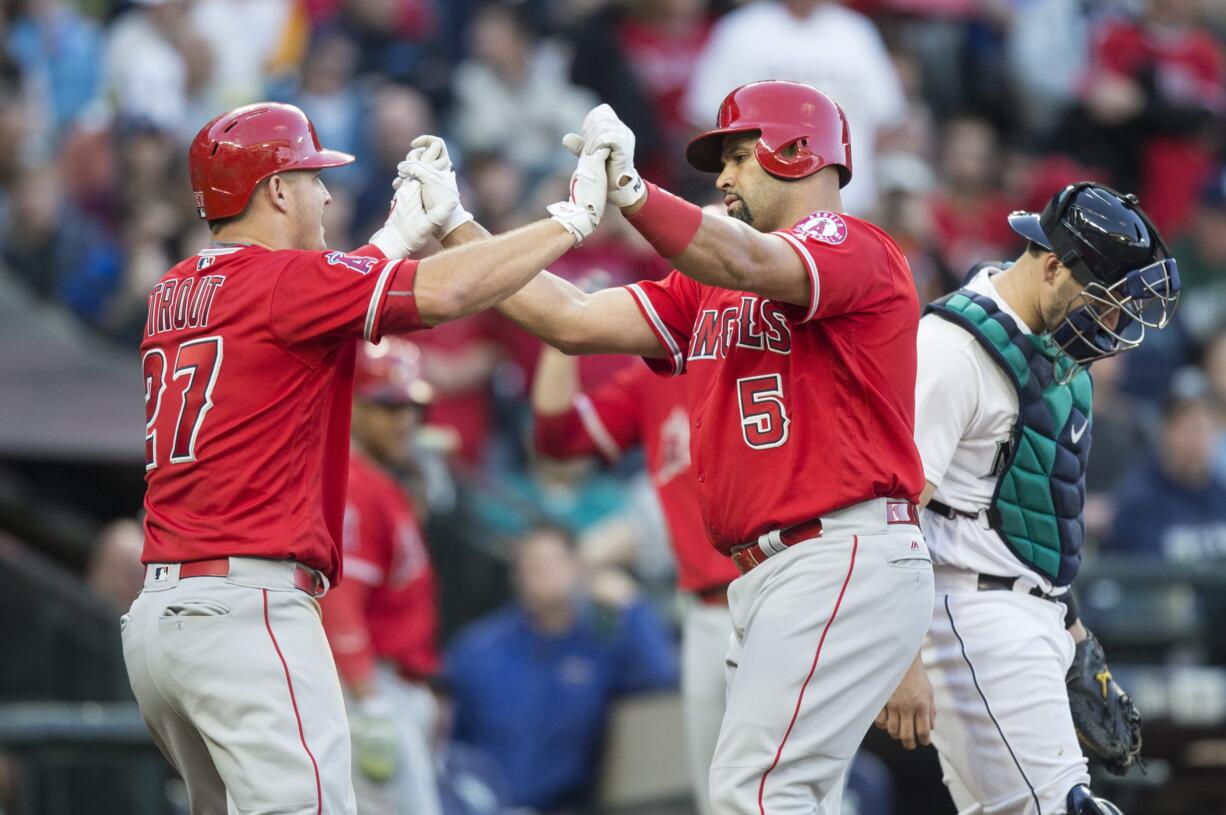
(389, 373)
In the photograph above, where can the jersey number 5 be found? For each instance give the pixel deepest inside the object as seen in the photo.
(764, 417)
(197, 363)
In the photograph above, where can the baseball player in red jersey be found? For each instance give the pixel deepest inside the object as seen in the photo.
(382, 621)
(248, 360)
(635, 407)
(796, 326)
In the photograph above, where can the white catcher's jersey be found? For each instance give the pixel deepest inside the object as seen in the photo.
(965, 409)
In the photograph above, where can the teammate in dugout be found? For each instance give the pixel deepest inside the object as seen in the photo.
(1003, 424)
(382, 621)
(248, 359)
(795, 326)
(635, 407)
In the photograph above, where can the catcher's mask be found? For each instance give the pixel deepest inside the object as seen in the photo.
(1114, 250)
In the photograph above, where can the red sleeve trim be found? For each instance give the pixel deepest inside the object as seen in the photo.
(815, 287)
(675, 358)
(393, 305)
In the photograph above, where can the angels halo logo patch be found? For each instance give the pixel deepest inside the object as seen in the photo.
(827, 227)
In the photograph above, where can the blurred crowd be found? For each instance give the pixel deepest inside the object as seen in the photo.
(960, 111)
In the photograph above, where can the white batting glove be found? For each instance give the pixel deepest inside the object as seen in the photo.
(602, 129)
(410, 224)
(581, 214)
(430, 164)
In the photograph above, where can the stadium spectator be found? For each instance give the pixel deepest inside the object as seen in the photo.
(1215, 370)
(1155, 90)
(326, 94)
(155, 66)
(250, 42)
(397, 114)
(1119, 432)
(1202, 260)
(499, 188)
(970, 214)
(1173, 506)
(533, 683)
(513, 94)
(469, 780)
(60, 50)
(1047, 51)
(821, 42)
(54, 249)
(115, 572)
(639, 57)
(904, 210)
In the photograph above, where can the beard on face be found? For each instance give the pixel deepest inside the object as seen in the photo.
(742, 213)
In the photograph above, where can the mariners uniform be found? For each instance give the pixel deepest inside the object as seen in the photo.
(382, 624)
(1003, 423)
(996, 659)
(635, 407)
(784, 403)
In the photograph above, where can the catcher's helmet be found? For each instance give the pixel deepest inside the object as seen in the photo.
(785, 115)
(1114, 250)
(237, 150)
(389, 373)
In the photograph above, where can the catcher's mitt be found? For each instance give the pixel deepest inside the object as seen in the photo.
(1108, 724)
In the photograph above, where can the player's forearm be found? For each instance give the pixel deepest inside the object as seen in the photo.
(716, 250)
(478, 274)
(556, 382)
(552, 309)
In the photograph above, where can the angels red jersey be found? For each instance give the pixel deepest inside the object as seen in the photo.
(635, 407)
(388, 606)
(797, 411)
(248, 361)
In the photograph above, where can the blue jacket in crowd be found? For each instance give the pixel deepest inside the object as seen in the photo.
(537, 703)
(1161, 518)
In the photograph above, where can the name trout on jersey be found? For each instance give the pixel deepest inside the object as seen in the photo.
(756, 324)
(177, 304)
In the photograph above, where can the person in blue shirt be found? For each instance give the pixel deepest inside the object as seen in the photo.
(1173, 506)
(532, 683)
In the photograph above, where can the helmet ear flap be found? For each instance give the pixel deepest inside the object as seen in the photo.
(792, 159)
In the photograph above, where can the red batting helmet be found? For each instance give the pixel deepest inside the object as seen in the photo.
(237, 150)
(389, 373)
(785, 115)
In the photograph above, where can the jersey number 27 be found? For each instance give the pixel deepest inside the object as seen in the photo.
(197, 363)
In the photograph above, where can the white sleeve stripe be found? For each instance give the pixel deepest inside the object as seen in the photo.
(372, 311)
(596, 428)
(811, 265)
(670, 344)
(363, 570)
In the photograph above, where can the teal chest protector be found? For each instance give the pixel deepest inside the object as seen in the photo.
(1040, 491)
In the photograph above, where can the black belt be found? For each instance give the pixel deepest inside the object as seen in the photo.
(991, 582)
(946, 511)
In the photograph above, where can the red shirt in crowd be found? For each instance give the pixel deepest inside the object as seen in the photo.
(635, 407)
(248, 359)
(797, 411)
(1189, 71)
(387, 609)
(968, 233)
